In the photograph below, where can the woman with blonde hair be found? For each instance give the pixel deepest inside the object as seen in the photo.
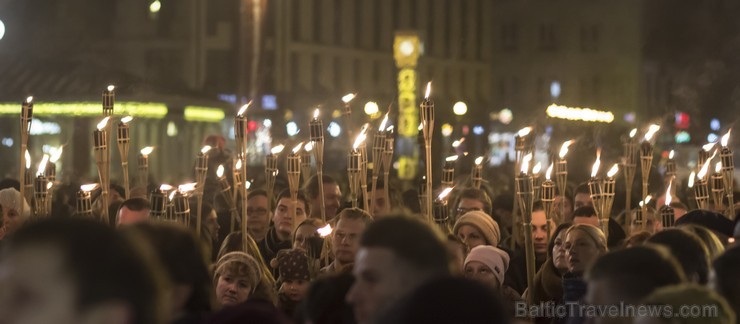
(238, 278)
(584, 243)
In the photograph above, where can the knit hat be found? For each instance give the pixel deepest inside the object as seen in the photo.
(493, 257)
(253, 273)
(11, 199)
(484, 223)
(293, 265)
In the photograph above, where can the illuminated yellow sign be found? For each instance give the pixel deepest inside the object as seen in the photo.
(406, 51)
(204, 114)
(579, 114)
(75, 109)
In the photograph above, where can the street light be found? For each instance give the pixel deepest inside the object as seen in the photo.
(460, 108)
(371, 108)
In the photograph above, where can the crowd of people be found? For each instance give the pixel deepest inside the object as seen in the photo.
(384, 264)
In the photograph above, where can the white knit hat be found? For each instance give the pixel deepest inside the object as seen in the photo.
(11, 199)
(494, 258)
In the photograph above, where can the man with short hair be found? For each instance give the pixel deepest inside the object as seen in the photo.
(627, 276)
(351, 223)
(258, 214)
(397, 255)
(471, 199)
(332, 196)
(280, 235)
(587, 215)
(582, 197)
(381, 207)
(516, 275)
(73, 270)
(133, 210)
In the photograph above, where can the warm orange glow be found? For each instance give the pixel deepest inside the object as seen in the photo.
(451, 158)
(613, 171)
(187, 188)
(243, 109)
(42, 165)
(524, 131)
(564, 148)
(165, 187)
(525, 163)
(316, 114)
(429, 90)
(126, 119)
(103, 123)
(726, 138)
(238, 164)
(651, 131)
(597, 164)
(704, 170)
(537, 168)
(668, 197)
(147, 150)
(297, 148)
(478, 160)
(277, 149)
(360, 138)
(29, 99)
(633, 132)
(325, 231)
(111, 88)
(446, 192)
(718, 167)
(548, 173)
(88, 187)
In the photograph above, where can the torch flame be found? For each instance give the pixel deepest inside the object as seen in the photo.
(248, 184)
(708, 147)
(451, 158)
(525, 163)
(524, 131)
(429, 90)
(478, 160)
(165, 187)
(457, 143)
(670, 155)
(243, 109)
(316, 114)
(172, 195)
(726, 138)
(277, 149)
(238, 164)
(446, 192)
(668, 197)
(49, 185)
(57, 154)
(348, 97)
(308, 147)
(126, 119)
(103, 123)
(147, 150)
(646, 200)
(29, 99)
(389, 129)
(360, 138)
(187, 188)
(597, 164)
(205, 149)
(704, 170)
(325, 231)
(691, 179)
(564, 148)
(88, 187)
(28, 160)
(385, 121)
(548, 173)
(297, 148)
(633, 132)
(718, 167)
(220, 171)
(651, 131)
(111, 88)
(537, 168)
(613, 171)
(42, 165)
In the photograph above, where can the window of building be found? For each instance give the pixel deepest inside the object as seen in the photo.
(509, 37)
(590, 35)
(547, 39)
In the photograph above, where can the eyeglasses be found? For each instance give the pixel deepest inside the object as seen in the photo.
(256, 212)
(462, 211)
